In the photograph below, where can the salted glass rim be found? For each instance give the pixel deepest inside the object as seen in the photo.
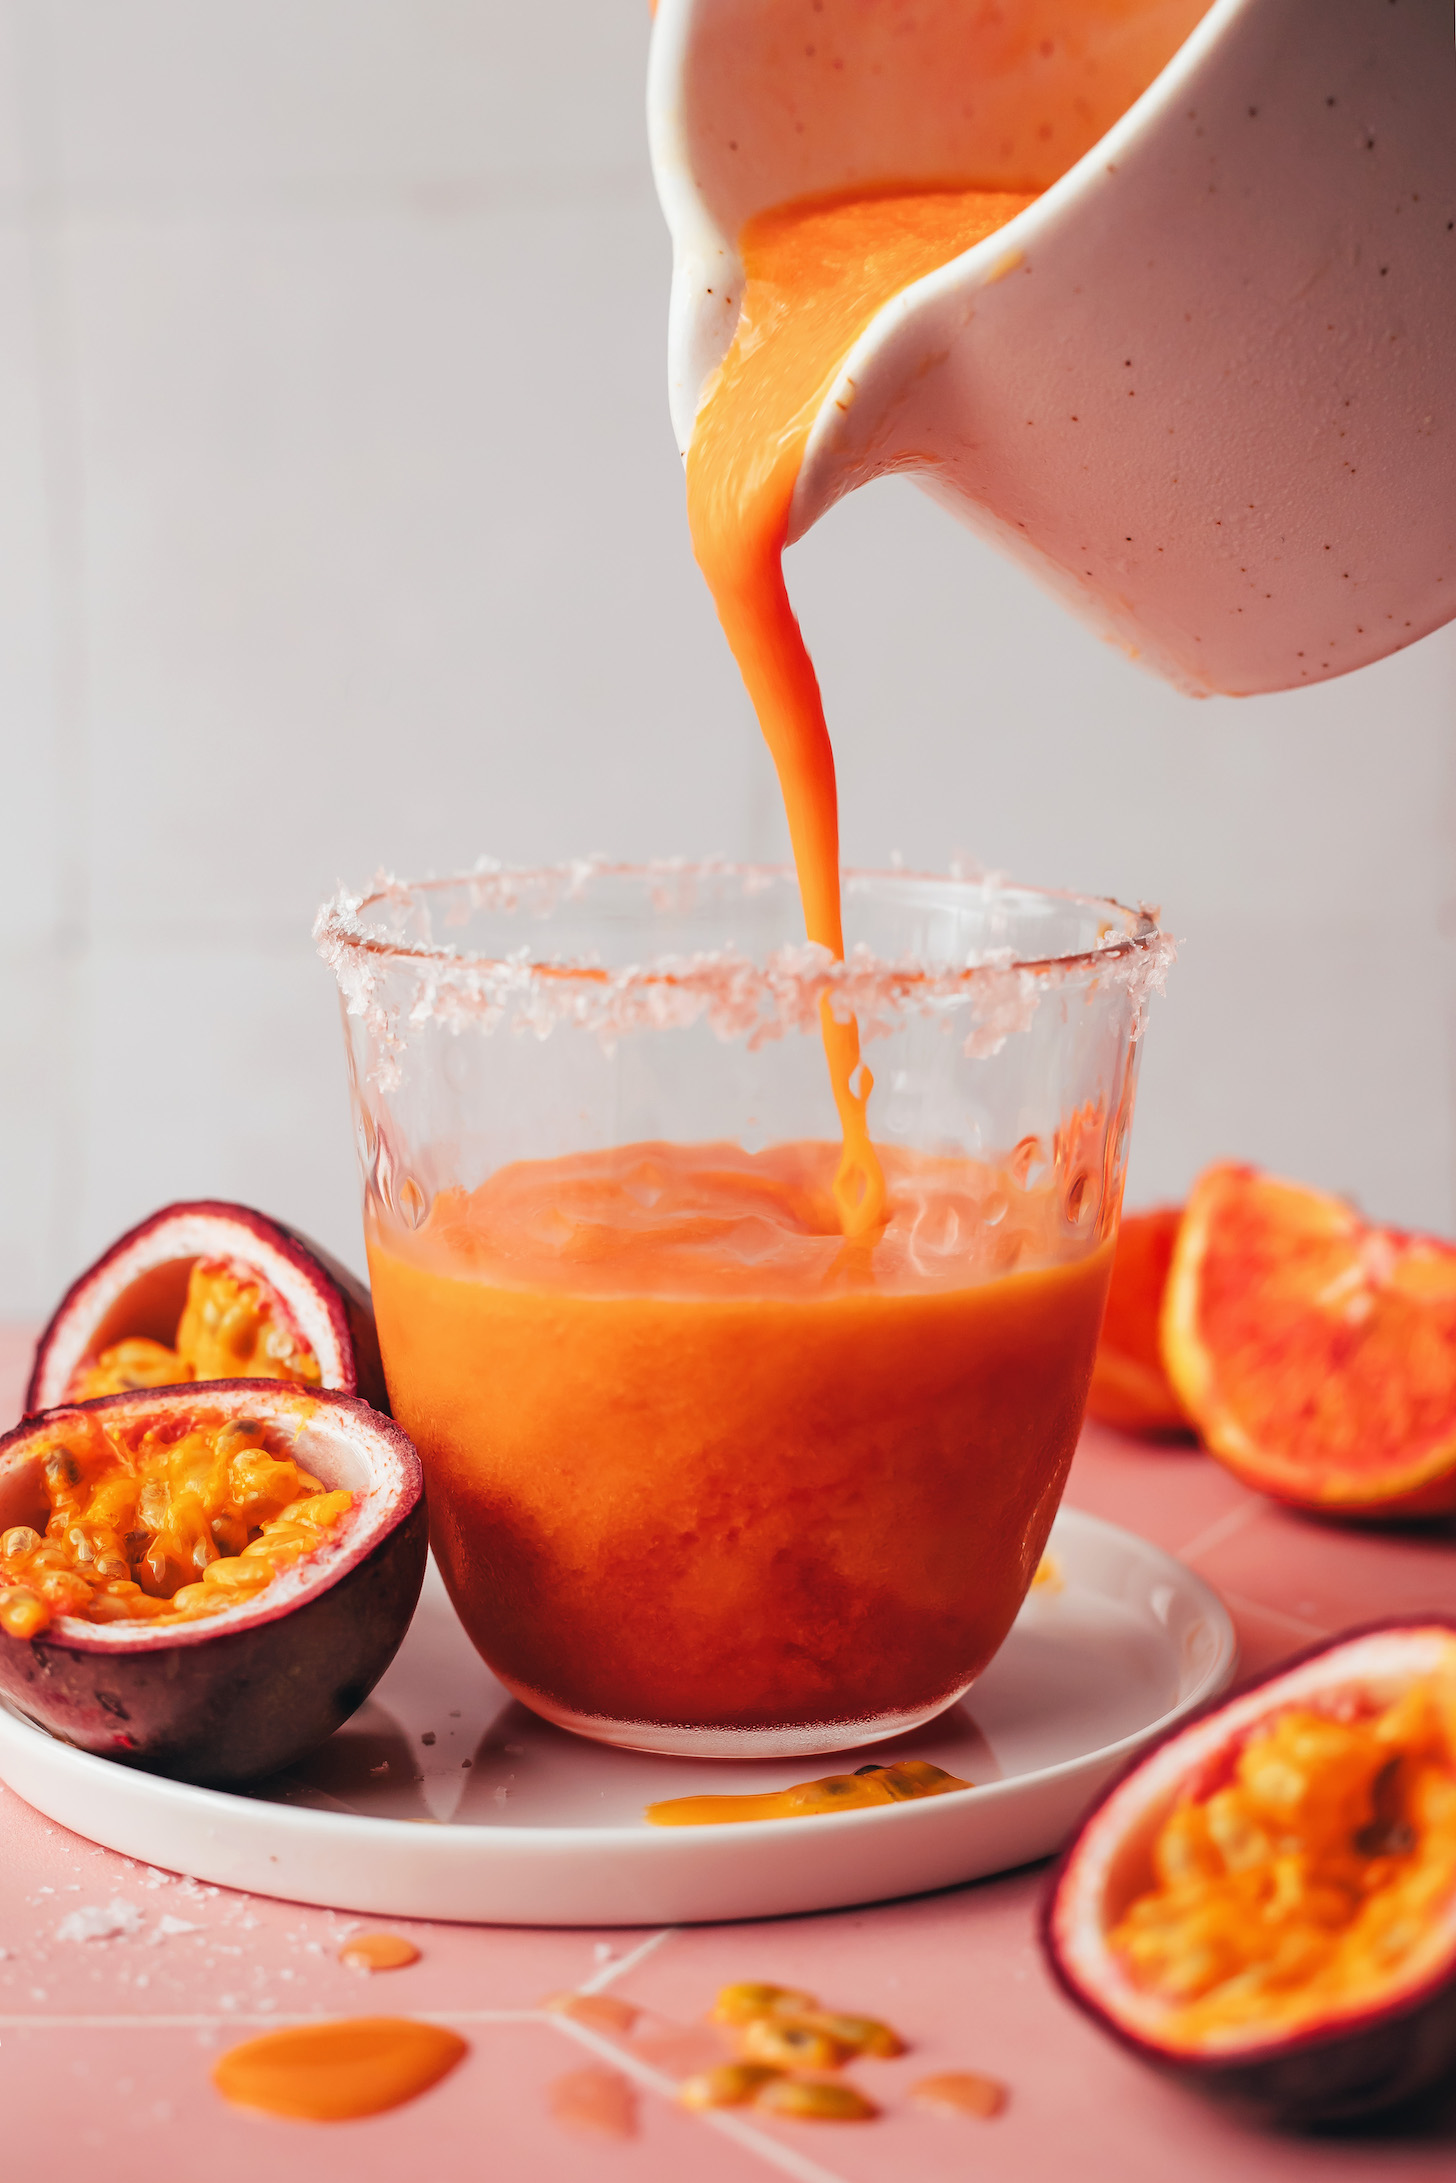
(339, 927)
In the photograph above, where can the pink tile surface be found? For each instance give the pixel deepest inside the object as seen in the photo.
(105, 2044)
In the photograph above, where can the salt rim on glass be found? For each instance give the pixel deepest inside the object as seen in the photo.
(992, 993)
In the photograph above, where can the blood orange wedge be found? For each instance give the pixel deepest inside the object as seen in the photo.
(1315, 1354)
(1129, 1386)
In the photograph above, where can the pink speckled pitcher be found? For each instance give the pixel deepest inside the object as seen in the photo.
(1204, 387)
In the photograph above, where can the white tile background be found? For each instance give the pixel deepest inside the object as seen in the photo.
(340, 523)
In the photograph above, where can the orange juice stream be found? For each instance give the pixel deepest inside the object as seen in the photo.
(816, 274)
(692, 1460)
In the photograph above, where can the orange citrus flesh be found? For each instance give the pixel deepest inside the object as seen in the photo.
(816, 273)
(694, 1458)
(1129, 1387)
(166, 1522)
(1306, 1887)
(1315, 1354)
(337, 2071)
(233, 1327)
(901, 1784)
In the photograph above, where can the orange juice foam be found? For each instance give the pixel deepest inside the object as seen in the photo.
(695, 1458)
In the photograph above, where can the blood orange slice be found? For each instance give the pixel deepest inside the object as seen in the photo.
(1316, 1354)
(1129, 1386)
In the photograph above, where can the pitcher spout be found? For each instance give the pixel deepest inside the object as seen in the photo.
(1201, 387)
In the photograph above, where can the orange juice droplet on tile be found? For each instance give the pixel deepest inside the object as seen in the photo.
(337, 2071)
(816, 274)
(378, 1952)
(960, 2092)
(600, 2102)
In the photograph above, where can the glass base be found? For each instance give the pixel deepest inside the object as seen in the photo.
(795, 1739)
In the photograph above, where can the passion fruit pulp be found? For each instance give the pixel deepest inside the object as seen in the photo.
(1264, 1906)
(240, 1293)
(223, 1696)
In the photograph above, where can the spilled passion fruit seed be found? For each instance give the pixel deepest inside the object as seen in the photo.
(813, 2099)
(730, 2084)
(788, 2042)
(749, 1999)
(338, 2071)
(859, 2034)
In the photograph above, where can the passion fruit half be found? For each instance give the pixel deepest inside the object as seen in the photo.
(250, 1686)
(238, 1294)
(1264, 1906)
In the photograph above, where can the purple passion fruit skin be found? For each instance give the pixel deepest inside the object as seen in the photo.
(253, 1689)
(139, 1285)
(1357, 2064)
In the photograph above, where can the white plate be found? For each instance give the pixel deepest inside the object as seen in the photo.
(443, 1798)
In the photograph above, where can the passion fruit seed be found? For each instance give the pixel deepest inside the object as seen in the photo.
(22, 1614)
(859, 2034)
(811, 2099)
(749, 1999)
(787, 2042)
(730, 2084)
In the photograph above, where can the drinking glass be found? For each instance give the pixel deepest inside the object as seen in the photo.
(707, 1475)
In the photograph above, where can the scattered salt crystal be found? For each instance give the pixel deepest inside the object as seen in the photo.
(602, 1952)
(166, 1927)
(97, 1922)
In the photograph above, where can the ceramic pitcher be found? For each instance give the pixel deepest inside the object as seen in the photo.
(1205, 386)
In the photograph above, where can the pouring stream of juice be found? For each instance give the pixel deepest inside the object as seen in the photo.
(816, 271)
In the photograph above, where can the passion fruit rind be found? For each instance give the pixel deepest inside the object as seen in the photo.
(254, 1688)
(1360, 2062)
(138, 1287)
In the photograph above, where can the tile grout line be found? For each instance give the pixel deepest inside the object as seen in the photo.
(1223, 1527)
(1298, 1623)
(600, 1980)
(783, 2157)
(275, 2018)
(741, 2132)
